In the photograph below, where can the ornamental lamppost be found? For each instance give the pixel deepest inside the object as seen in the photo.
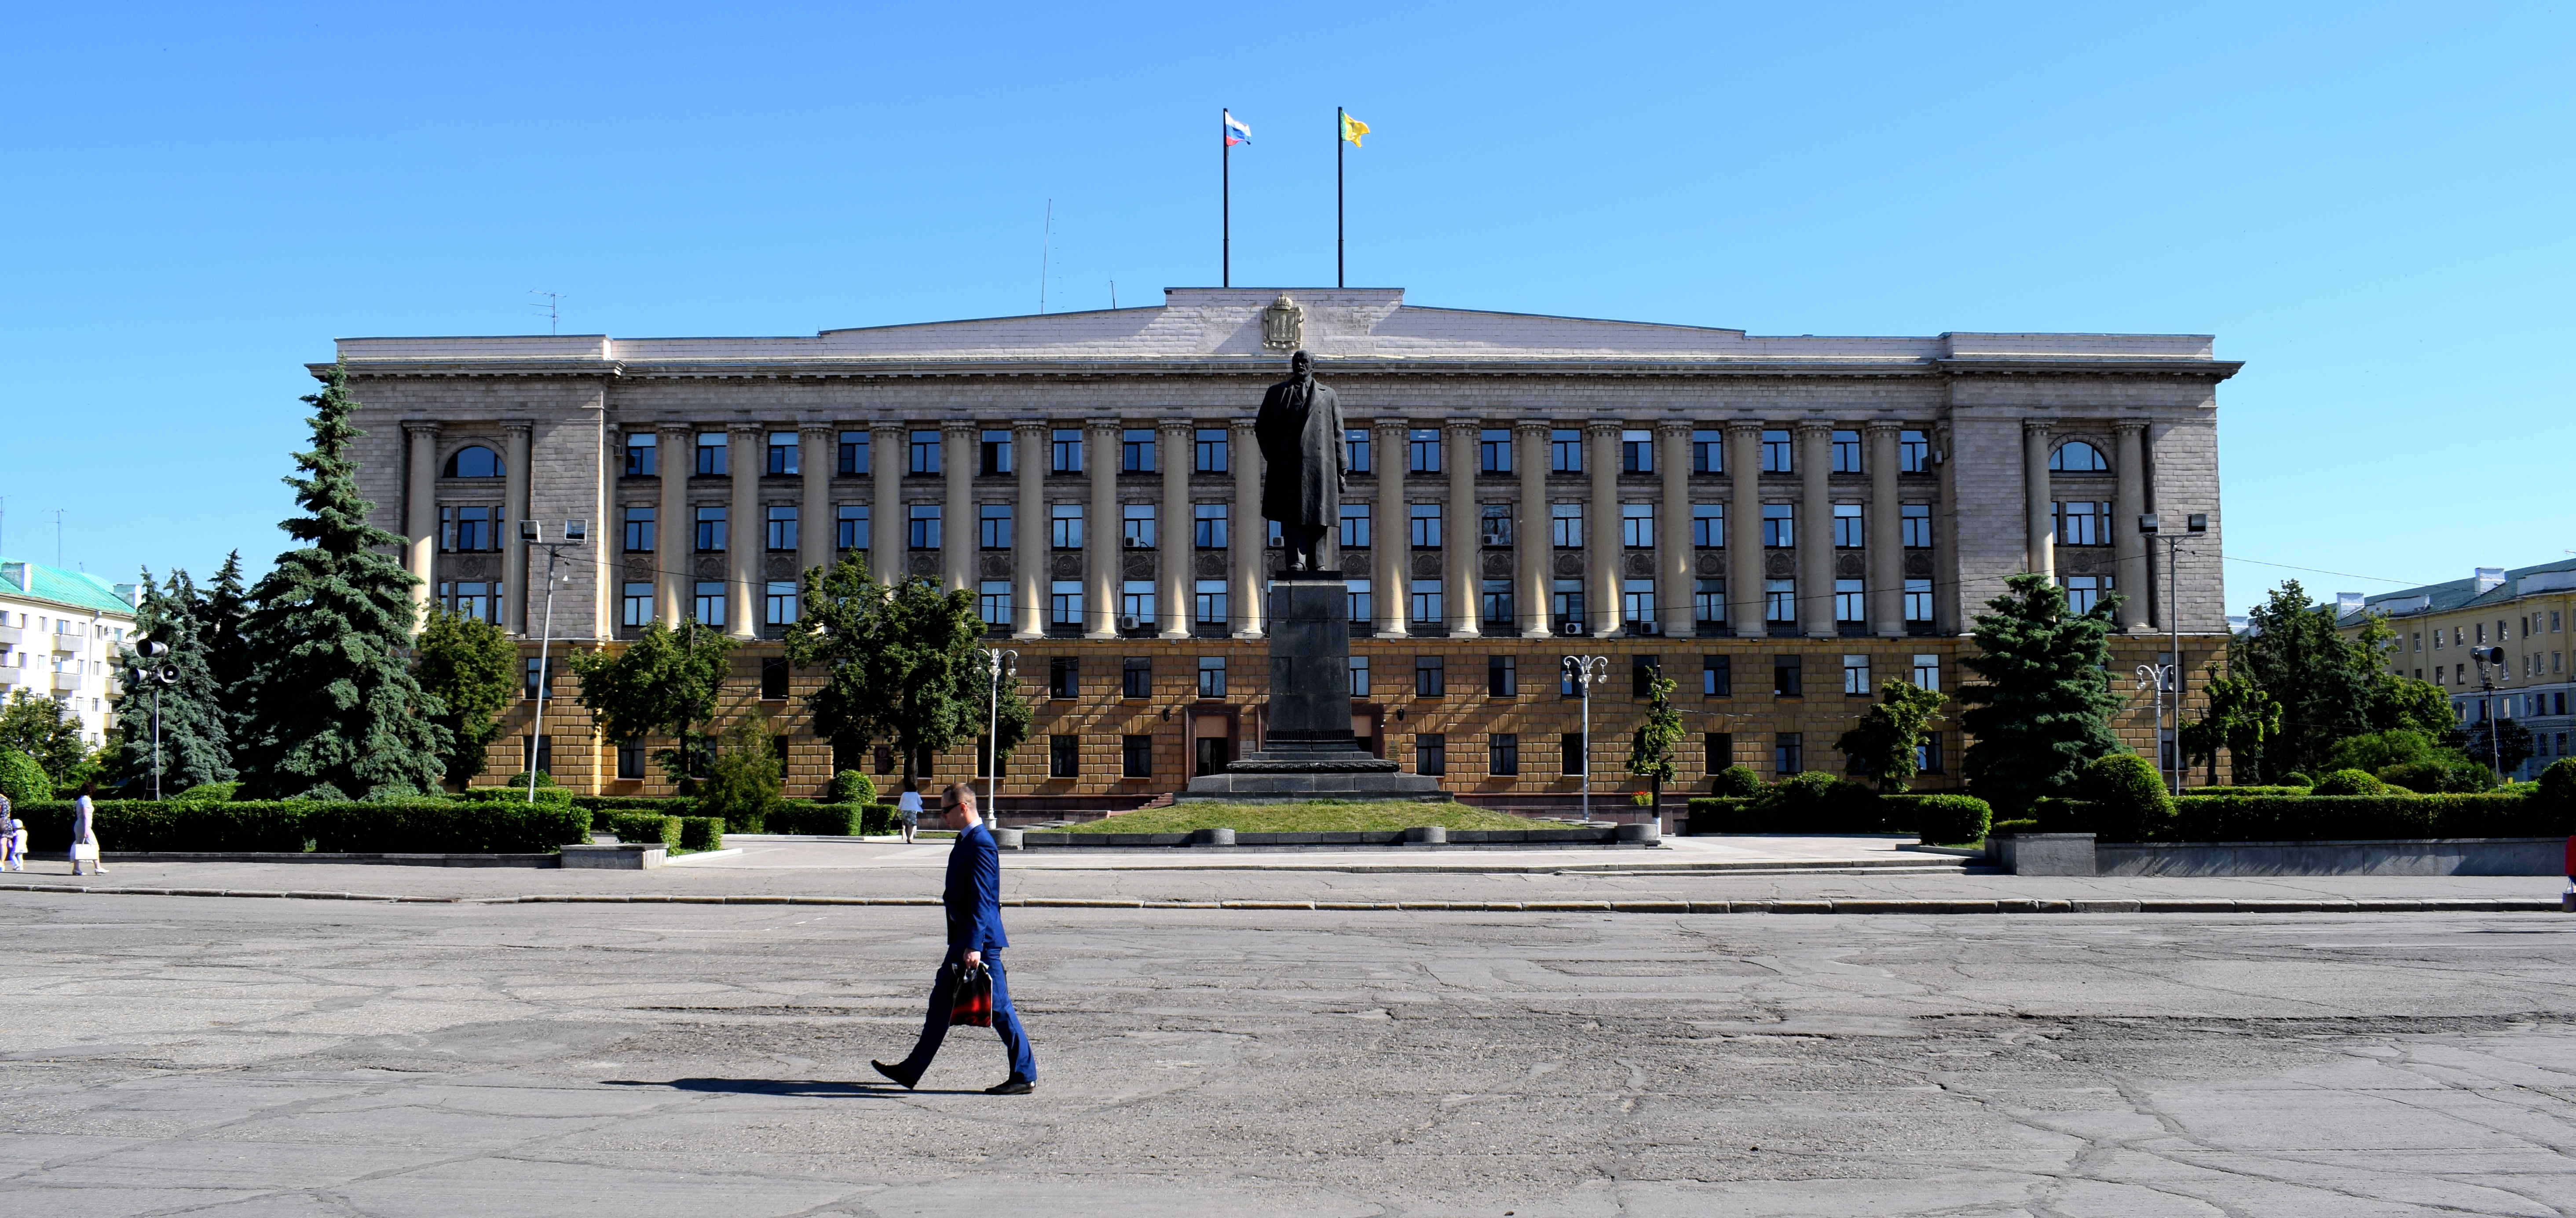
(575, 532)
(998, 662)
(2196, 522)
(1585, 672)
(156, 675)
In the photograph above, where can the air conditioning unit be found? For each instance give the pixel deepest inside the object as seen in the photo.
(1130, 623)
(1569, 627)
(1496, 537)
(1649, 628)
(1138, 543)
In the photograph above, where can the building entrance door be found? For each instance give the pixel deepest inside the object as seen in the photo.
(1213, 754)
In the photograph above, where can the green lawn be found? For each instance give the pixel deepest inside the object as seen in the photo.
(1303, 818)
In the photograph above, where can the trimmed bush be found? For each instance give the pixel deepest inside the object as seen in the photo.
(2197, 792)
(2349, 782)
(2297, 779)
(209, 792)
(701, 833)
(642, 827)
(2011, 828)
(445, 827)
(853, 787)
(636, 803)
(141, 824)
(820, 820)
(2366, 817)
(2438, 776)
(1943, 820)
(879, 820)
(517, 793)
(1824, 804)
(23, 781)
(2557, 789)
(2059, 814)
(1735, 782)
(2128, 798)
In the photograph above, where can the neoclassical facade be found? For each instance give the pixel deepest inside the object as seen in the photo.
(1774, 523)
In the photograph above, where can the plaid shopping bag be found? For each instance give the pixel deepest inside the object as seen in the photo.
(974, 1003)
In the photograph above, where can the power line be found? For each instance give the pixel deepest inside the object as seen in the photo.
(2382, 579)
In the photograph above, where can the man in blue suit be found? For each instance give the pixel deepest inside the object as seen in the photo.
(974, 902)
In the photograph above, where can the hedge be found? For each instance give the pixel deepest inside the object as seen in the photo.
(641, 827)
(820, 820)
(2197, 792)
(636, 803)
(293, 826)
(701, 833)
(1934, 818)
(560, 797)
(142, 824)
(2290, 818)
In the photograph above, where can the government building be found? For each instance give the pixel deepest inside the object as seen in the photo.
(1777, 524)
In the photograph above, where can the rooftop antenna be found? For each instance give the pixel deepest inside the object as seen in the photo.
(552, 308)
(58, 539)
(1113, 295)
(1046, 237)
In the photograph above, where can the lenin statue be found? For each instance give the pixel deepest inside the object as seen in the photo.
(1300, 432)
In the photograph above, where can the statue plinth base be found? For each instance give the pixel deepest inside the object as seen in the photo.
(1310, 752)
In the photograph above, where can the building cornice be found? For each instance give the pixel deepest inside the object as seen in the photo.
(1249, 367)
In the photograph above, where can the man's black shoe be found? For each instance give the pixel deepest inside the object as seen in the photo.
(1014, 1085)
(897, 1073)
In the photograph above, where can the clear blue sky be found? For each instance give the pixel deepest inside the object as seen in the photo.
(2370, 205)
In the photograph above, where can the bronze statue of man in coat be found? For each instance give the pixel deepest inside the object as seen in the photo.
(1300, 433)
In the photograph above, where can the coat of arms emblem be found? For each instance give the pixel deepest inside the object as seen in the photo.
(1283, 325)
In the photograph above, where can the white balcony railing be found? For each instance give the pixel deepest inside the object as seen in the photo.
(13, 635)
(67, 682)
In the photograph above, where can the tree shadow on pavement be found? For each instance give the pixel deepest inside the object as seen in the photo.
(786, 1086)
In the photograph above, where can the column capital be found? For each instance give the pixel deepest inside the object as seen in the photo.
(889, 428)
(1880, 427)
(1528, 427)
(1673, 427)
(2034, 427)
(1740, 427)
(1470, 426)
(1809, 427)
(1183, 426)
(1238, 424)
(1602, 427)
(1110, 425)
(739, 428)
(959, 427)
(420, 427)
(518, 427)
(683, 430)
(2125, 426)
(1390, 423)
(825, 430)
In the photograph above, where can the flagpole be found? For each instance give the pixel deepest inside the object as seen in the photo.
(1225, 193)
(1337, 197)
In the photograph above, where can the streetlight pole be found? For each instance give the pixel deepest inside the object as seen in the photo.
(159, 676)
(574, 533)
(2486, 684)
(2195, 522)
(1586, 672)
(998, 661)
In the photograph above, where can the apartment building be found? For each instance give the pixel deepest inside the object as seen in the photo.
(59, 631)
(2498, 642)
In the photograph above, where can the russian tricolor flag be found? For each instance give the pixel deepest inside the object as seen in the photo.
(1235, 131)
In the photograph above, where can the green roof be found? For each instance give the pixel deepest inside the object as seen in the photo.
(77, 589)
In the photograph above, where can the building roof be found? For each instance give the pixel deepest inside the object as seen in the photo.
(2490, 586)
(72, 589)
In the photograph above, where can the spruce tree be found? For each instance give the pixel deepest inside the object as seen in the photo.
(331, 706)
(2044, 709)
(195, 746)
(220, 623)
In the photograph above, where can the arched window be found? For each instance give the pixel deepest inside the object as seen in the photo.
(2074, 457)
(474, 462)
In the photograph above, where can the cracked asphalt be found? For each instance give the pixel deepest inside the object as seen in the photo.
(175, 1055)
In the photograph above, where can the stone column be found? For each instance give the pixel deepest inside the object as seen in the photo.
(1175, 565)
(1247, 531)
(814, 523)
(1465, 570)
(1100, 533)
(1393, 543)
(1533, 555)
(1815, 530)
(514, 553)
(744, 530)
(1744, 556)
(2129, 501)
(420, 514)
(886, 463)
(1603, 559)
(1674, 566)
(675, 454)
(2041, 555)
(957, 529)
(1886, 546)
(1030, 456)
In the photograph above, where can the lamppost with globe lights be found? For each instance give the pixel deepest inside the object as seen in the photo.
(1586, 672)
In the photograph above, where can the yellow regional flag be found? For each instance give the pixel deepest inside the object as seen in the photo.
(1353, 129)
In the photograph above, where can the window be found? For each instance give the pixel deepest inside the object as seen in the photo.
(1720, 748)
(773, 678)
(1780, 525)
(1708, 452)
(711, 530)
(1636, 452)
(1918, 601)
(1494, 450)
(1564, 451)
(1064, 526)
(1849, 601)
(1637, 526)
(635, 604)
(854, 452)
(1502, 676)
(781, 530)
(1207, 526)
(1211, 676)
(477, 600)
(1210, 451)
(925, 452)
(1361, 608)
(1136, 756)
(1136, 677)
(782, 452)
(1913, 452)
(1708, 605)
(1568, 597)
(1355, 526)
(2077, 457)
(1064, 677)
(1359, 676)
(850, 530)
(630, 759)
(1846, 452)
(1637, 600)
(993, 602)
(708, 603)
(474, 461)
(1136, 602)
(1786, 682)
(1430, 608)
(1210, 607)
(1856, 675)
(1914, 525)
(1779, 601)
(1642, 671)
(1927, 672)
(1136, 451)
(711, 454)
(546, 755)
(1430, 753)
(1136, 526)
(1494, 525)
(1927, 754)
(2083, 592)
(993, 526)
(2083, 524)
(1708, 525)
(1066, 457)
(1064, 605)
(1847, 526)
(779, 603)
(642, 447)
(1775, 453)
(1498, 603)
(1570, 753)
(1424, 519)
(1430, 677)
(993, 453)
(1064, 756)
(1789, 754)
(1355, 449)
(638, 533)
(1274, 540)
(1565, 525)
(1422, 450)
(468, 529)
(1717, 676)
(1503, 754)
(922, 526)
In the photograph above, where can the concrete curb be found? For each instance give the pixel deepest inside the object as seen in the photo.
(1929, 906)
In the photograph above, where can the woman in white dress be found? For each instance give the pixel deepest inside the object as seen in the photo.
(84, 833)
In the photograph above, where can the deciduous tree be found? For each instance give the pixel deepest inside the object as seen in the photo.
(663, 683)
(903, 662)
(1650, 754)
(473, 668)
(1884, 744)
